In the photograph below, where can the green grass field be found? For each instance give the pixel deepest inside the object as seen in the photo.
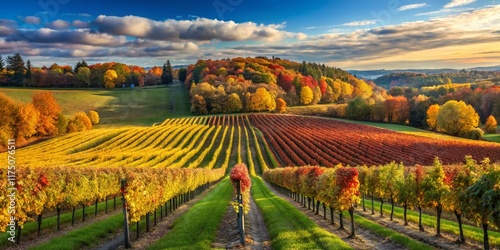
(118, 107)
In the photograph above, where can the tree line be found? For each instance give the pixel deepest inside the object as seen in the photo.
(15, 72)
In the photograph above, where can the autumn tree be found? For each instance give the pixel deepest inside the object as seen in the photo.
(457, 118)
(306, 95)
(362, 89)
(94, 117)
(398, 109)
(167, 73)
(432, 115)
(280, 105)
(49, 109)
(110, 78)
(491, 125)
(8, 117)
(234, 103)
(84, 119)
(198, 105)
(27, 120)
(261, 100)
(316, 95)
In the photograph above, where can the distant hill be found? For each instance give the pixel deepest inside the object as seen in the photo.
(374, 74)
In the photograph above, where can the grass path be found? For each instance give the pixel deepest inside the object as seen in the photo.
(196, 228)
(288, 227)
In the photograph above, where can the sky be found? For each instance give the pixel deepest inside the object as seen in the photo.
(356, 34)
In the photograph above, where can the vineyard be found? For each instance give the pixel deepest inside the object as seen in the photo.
(170, 162)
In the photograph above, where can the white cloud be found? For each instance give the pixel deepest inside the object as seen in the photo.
(58, 25)
(456, 3)
(412, 6)
(201, 29)
(360, 23)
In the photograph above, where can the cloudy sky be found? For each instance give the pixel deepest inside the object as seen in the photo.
(356, 34)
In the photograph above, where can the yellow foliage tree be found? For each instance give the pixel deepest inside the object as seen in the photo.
(306, 95)
(84, 119)
(110, 77)
(261, 100)
(27, 120)
(280, 105)
(94, 117)
(49, 110)
(8, 114)
(457, 118)
(491, 125)
(362, 89)
(432, 114)
(234, 103)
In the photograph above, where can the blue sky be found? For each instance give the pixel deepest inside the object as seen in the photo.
(368, 34)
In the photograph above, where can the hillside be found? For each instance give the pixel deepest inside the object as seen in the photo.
(231, 85)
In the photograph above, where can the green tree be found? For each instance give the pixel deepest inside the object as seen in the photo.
(2, 64)
(28, 70)
(306, 95)
(390, 177)
(167, 73)
(182, 74)
(405, 192)
(457, 118)
(435, 191)
(16, 64)
(358, 109)
(83, 77)
(79, 65)
(481, 202)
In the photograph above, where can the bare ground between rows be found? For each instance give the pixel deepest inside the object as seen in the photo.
(364, 238)
(447, 241)
(47, 234)
(256, 237)
(160, 230)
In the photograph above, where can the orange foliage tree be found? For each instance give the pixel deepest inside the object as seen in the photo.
(49, 109)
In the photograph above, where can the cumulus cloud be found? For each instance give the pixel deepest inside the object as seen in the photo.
(32, 20)
(412, 6)
(456, 3)
(360, 23)
(7, 27)
(58, 25)
(388, 41)
(200, 29)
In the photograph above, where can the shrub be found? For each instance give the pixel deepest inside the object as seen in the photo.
(474, 134)
(94, 117)
(62, 124)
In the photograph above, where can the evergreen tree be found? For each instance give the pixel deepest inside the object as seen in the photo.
(182, 74)
(79, 64)
(28, 70)
(167, 74)
(16, 64)
(2, 64)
